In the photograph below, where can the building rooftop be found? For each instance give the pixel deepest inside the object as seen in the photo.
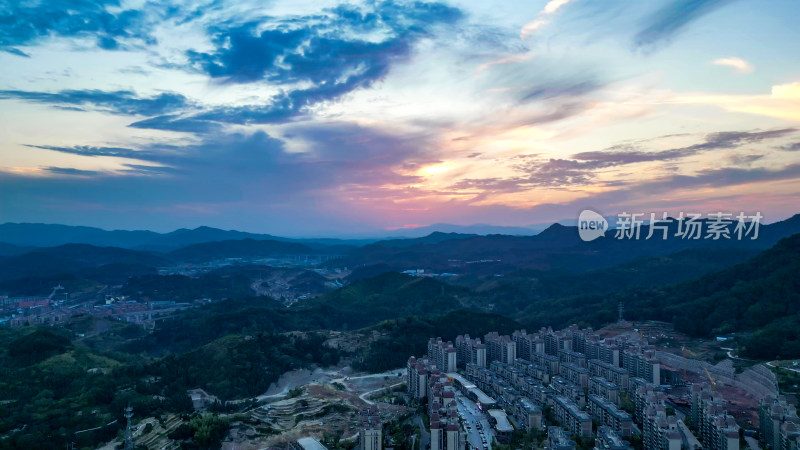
(309, 443)
(500, 416)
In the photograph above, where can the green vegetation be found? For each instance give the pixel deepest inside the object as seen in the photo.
(235, 367)
(788, 381)
(409, 336)
(296, 392)
(208, 430)
(762, 294)
(530, 439)
(51, 387)
(386, 296)
(35, 347)
(181, 288)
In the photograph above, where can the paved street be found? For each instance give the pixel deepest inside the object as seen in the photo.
(425, 437)
(472, 417)
(752, 443)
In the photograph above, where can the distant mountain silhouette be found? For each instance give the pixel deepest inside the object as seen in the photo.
(72, 258)
(558, 246)
(48, 235)
(244, 248)
(479, 228)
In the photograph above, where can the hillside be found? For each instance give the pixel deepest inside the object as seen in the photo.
(72, 258)
(407, 336)
(386, 296)
(558, 247)
(11, 250)
(528, 294)
(761, 294)
(245, 248)
(50, 235)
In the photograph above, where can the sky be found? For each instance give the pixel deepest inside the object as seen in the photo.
(311, 118)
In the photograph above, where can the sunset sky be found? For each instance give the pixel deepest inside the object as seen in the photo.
(310, 118)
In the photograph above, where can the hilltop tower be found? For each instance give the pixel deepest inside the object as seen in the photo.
(129, 429)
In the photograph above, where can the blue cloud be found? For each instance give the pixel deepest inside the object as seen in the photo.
(23, 23)
(71, 172)
(174, 122)
(16, 51)
(673, 18)
(341, 152)
(575, 88)
(247, 56)
(621, 155)
(115, 102)
(331, 52)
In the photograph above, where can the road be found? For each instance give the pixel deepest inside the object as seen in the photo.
(688, 438)
(425, 436)
(472, 417)
(678, 413)
(752, 443)
(365, 395)
(772, 364)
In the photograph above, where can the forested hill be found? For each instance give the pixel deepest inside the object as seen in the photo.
(245, 248)
(761, 294)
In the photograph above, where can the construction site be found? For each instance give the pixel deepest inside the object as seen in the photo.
(742, 382)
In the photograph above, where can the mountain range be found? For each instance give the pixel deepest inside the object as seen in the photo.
(49, 235)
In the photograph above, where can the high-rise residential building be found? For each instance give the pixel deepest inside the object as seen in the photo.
(779, 424)
(608, 439)
(527, 414)
(659, 431)
(570, 416)
(500, 348)
(558, 439)
(610, 372)
(371, 429)
(417, 377)
(442, 354)
(607, 414)
(604, 388)
(575, 374)
(716, 428)
(556, 340)
(470, 351)
(641, 362)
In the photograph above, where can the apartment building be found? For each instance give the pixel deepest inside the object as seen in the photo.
(575, 374)
(470, 351)
(659, 431)
(500, 348)
(532, 370)
(610, 372)
(417, 377)
(370, 430)
(571, 417)
(604, 388)
(640, 361)
(527, 414)
(568, 389)
(608, 439)
(549, 362)
(779, 424)
(716, 428)
(556, 340)
(571, 357)
(607, 414)
(442, 354)
(558, 439)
